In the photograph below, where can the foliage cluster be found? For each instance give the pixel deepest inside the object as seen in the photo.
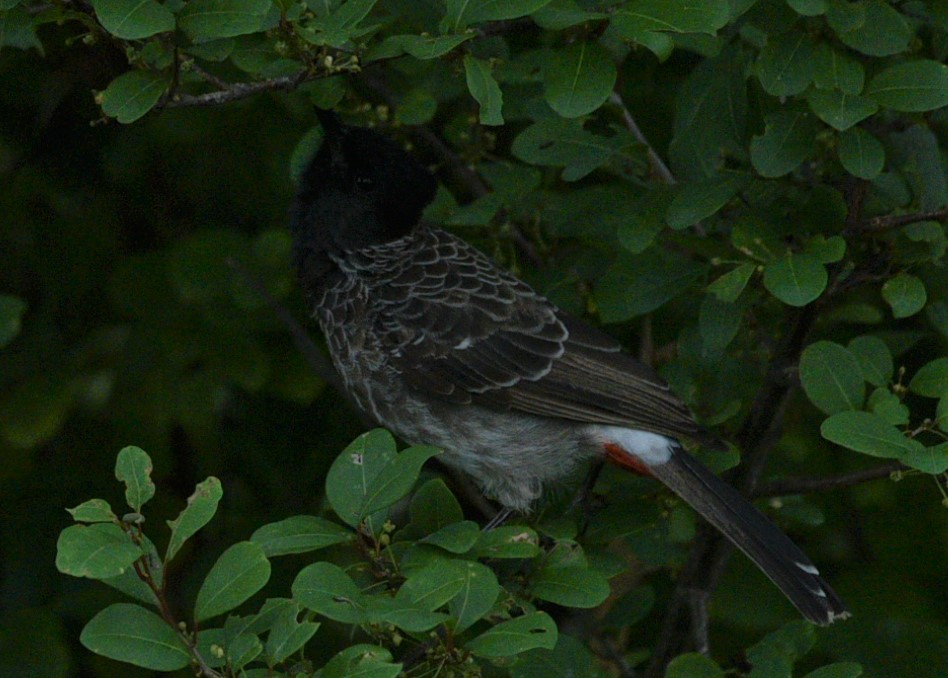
(757, 187)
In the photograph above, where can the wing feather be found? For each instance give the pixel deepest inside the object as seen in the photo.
(462, 329)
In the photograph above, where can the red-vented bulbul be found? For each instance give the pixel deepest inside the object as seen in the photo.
(441, 346)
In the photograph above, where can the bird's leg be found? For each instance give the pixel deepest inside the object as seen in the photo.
(583, 498)
(499, 519)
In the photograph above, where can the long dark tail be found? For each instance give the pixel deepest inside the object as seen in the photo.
(762, 541)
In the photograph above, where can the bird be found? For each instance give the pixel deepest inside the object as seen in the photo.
(437, 343)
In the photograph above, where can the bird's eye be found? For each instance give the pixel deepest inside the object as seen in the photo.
(364, 182)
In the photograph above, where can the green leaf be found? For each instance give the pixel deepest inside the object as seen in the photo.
(353, 472)
(797, 279)
(204, 20)
(710, 116)
(933, 460)
(834, 69)
(361, 661)
(299, 534)
(479, 591)
(462, 13)
(326, 589)
(202, 505)
(718, 322)
(133, 467)
(932, 380)
(11, 318)
(240, 572)
(93, 511)
(695, 201)
(831, 377)
(911, 86)
(132, 634)
(638, 17)
(788, 139)
(512, 637)
(868, 433)
(560, 14)
(786, 63)
(693, 665)
(882, 32)
(638, 284)
(861, 154)
(874, 359)
(132, 95)
(561, 142)
(777, 652)
(395, 481)
(579, 79)
(96, 551)
(905, 294)
(826, 250)
(508, 541)
(422, 47)
(455, 538)
(433, 506)
(636, 220)
(433, 585)
(485, 90)
(572, 586)
(401, 613)
(729, 286)
(839, 110)
(570, 658)
(288, 634)
(838, 670)
(133, 20)
(808, 7)
(888, 406)
(17, 29)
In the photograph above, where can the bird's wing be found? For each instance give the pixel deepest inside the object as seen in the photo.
(461, 329)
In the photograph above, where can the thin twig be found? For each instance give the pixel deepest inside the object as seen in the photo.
(802, 485)
(877, 224)
(239, 90)
(655, 160)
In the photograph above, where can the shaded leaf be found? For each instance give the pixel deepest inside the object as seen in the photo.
(905, 294)
(867, 433)
(508, 638)
(299, 534)
(579, 79)
(832, 377)
(240, 572)
(202, 505)
(132, 634)
(96, 551)
(132, 94)
(133, 467)
(485, 90)
(796, 279)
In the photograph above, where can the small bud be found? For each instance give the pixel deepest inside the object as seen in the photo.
(385, 540)
(328, 61)
(217, 651)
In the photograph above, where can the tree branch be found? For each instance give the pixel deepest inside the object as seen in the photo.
(655, 160)
(804, 485)
(236, 91)
(880, 224)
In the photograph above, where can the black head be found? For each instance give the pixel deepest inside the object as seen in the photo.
(359, 189)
